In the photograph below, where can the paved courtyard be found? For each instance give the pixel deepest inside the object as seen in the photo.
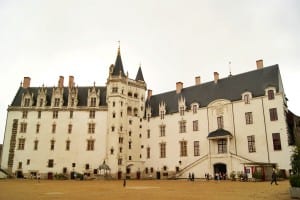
(141, 189)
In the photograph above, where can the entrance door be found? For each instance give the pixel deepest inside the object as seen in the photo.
(138, 175)
(220, 170)
(157, 175)
(50, 175)
(119, 175)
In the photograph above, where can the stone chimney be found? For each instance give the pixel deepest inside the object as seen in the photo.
(216, 77)
(179, 86)
(26, 82)
(149, 94)
(197, 80)
(61, 82)
(259, 64)
(71, 81)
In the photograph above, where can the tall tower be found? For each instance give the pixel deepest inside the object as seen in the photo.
(125, 101)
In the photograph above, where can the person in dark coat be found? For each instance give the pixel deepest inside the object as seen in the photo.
(274, 178)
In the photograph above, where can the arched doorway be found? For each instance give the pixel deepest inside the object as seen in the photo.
(221, 170)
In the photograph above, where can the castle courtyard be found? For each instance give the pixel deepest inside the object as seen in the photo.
(14, 189)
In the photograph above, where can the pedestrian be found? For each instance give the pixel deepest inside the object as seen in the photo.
(190, 177)
(38, 177)
(124, 182)
(274, 177)
(193, 176)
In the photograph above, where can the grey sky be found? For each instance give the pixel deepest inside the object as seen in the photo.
(174, 40)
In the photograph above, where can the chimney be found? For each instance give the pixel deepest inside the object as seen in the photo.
(259, 64)
(216, 77)
(26, 82)
(179, 86)
(197, 80)
(71, 81)
(149, 94)
(61, 82)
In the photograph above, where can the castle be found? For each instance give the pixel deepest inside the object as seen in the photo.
(232, 124)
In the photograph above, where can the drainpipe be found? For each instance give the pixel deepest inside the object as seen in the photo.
(262, 102)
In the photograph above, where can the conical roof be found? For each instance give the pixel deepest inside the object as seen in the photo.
(118, 68)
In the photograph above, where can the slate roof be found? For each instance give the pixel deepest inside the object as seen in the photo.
(219, 133)
(118, 66)
(139, 75)
(230, 88)
(82, 95)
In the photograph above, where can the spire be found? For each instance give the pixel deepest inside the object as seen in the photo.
(118, 68)
(139, 75)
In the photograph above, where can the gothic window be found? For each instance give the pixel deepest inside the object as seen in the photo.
(55, 114)
(195, 125)
(181, 110)
(53, 128)
(70, 126)
(90, 145)
(23, 127)
(195, 108)
(270, 94)
(92, 114)
(182, 126)
(246, 99)
(162, 130)
(91, 128)
(38, 128)
(68, 144)
(52, 145)
(24, 114)
(56, 102)
(114, 90)
(35, 145)
(26, 102)
(93, 102)
(276, 141)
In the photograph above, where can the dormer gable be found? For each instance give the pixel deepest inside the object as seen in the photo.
(73, 97)
(57, 97)
(181, 105)
(246, 97)
(27, 99)
(93, 97)
(42, 97)
(162, 109)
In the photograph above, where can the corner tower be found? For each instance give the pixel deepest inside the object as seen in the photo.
(125, 100)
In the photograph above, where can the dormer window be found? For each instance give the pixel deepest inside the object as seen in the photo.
(246, 99)
(26, 102)
(195, 108)
(270, 94)
(181, 110)
(41, 102)
(56, 102)
(93, 102)
(162, 114)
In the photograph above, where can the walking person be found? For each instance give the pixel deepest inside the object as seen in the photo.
(274, 178)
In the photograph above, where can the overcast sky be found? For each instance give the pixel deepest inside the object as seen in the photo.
(173, 40)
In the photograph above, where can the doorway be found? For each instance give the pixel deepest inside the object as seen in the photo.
(220, 169)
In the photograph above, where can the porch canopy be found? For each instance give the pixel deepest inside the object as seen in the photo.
(219, 133)
(104, 167)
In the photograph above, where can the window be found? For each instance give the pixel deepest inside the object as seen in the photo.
(55, 114)
(50, 163)
(21, 145)
(71, 114)
(129, 145)
(129, 157)
(39, 114)
(87, 166)
(91, 128)
(251, 143)
(23, 127)
(162, 130)
(28, 162)
(270, 94)
(52, 144)
(195, 107)
(148, 117)
(148, 133)
(162, 114)
(26, 102)
(20, 165)
(35, 145)
(68, 143)
(56, 102)
(148, 152)
(93, 102)
(195, 125)
(273, 114)
(246, 99)
(196, 148)
(37, 128)
(72, 102)
(112, 128)
(70, 128)
(183, 148)
(92, 114)
(114, 90)
(41, 102)
(249, 118)
(182, 126)
(114, 104)
(24, 114)
(120, 140)
(162, 150)
(276, 141)
(220, 122)
(53, 128)
(181, 110)
(222, 146)
(120, 161)
(90, 145)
